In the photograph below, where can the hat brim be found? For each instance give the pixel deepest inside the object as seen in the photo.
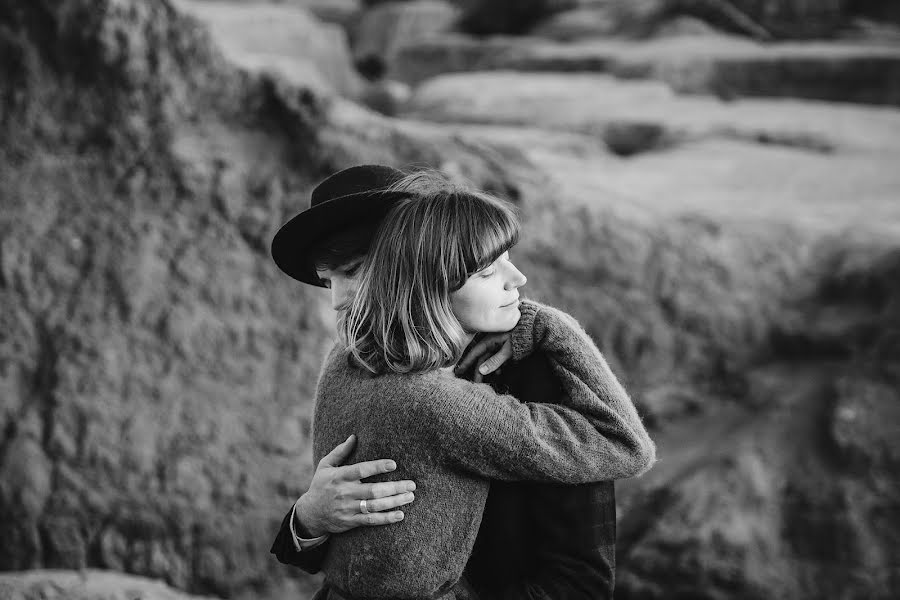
(292, 243)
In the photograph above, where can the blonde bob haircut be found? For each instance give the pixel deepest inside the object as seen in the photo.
(401, 319)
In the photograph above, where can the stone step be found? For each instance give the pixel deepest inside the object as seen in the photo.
(616, 110)
(724, 66)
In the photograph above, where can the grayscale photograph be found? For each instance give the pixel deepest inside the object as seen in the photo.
(449, 299)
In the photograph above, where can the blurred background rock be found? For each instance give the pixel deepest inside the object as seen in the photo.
(711, 187)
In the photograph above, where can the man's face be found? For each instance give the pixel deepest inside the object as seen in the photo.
(343, 282)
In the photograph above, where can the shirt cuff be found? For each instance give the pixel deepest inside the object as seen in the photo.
(301, 544)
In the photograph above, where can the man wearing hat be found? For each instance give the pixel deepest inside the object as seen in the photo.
(537, 541)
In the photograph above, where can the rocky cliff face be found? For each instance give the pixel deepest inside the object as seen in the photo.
(156, 370)
(142, 178)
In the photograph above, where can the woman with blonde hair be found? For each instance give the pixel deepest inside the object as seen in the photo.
(438, 274)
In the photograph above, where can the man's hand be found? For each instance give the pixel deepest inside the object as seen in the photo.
(487, 355)
(332, 502)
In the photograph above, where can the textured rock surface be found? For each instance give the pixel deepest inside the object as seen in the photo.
(591, 104)
(387, 27)
(725, 66)
(135, 228)
(796, 18)
(683, 26)
(340, 12)
(486, 17)
(283, 38)
(778, 19)
(581, 23)
(449, 53)
(848, 73)
(155, 367)
(84, 585)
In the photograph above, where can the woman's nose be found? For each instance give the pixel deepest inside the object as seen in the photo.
(515, 278)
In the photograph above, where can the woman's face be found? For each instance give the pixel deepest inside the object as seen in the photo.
(489, 300)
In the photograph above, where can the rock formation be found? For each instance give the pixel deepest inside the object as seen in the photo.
(759, 19)
(283, 39)
(85, 585)
(726, 66)
(156, 369)
(383, 29)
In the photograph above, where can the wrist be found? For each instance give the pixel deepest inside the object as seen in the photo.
(306, 527)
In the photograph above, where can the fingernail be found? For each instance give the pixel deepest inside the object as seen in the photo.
(398, 516)
(350, 438)
(391, 465)
(483, 369)
(409, 496)
(411, 486)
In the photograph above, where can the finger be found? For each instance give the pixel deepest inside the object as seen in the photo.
(390, 502)
(472, 356)
(476, 352)
(384, 489)
(340, 453)
(379, 518)
(365, 469)
(497, 360)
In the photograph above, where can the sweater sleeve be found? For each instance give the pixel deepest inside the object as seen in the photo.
(595, 435)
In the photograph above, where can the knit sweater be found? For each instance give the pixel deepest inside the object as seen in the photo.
(453, 436)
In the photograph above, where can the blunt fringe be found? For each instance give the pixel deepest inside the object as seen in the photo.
(401, 319)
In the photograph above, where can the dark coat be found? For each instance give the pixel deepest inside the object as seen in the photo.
(544, 541)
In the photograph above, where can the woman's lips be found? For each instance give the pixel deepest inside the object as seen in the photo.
(514, 302)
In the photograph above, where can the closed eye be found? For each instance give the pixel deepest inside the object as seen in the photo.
(491, 268)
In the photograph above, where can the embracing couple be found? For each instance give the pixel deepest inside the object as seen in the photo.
(467, 439)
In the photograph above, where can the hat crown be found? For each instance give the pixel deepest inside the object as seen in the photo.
(355, 180)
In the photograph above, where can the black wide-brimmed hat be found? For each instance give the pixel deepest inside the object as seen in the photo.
(350, 197)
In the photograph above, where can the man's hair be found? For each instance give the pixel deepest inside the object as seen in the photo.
(343, 247)
(401, 319)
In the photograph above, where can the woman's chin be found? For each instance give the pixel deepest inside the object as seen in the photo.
(505, 321)
(512, 319)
